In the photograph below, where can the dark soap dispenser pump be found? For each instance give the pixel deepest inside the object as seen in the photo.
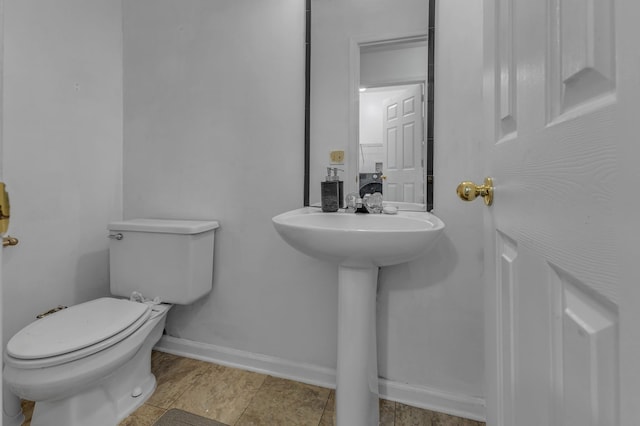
(329, 193)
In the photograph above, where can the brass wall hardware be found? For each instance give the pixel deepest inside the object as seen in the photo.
(5, 209)
(50, 311)
(468, 191)
(9, 241)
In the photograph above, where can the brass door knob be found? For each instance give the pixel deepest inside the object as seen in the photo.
(468, 191)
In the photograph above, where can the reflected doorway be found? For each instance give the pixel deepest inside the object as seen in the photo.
(392, 119)
(391, 142)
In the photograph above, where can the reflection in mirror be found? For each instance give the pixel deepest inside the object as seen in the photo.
(387, 49)
(391, 143)
(392, 120)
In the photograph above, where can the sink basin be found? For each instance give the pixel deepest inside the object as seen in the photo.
(359, 239)
(359, 244)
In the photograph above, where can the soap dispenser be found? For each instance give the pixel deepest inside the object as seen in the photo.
(336, 178)
(330, 192)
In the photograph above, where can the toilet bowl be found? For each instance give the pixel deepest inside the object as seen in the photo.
(90, 364)
(93, 385)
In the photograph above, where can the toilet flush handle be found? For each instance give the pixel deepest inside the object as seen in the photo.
(117, 236)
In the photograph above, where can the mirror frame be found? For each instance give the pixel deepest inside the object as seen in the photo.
(307, 102)
(354, 81)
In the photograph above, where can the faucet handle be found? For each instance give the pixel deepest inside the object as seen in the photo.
(373, 203)
(353, 202)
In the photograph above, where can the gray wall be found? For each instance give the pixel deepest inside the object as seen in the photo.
(214, 115)
(430, 311)
(214, 129)
(62, 151)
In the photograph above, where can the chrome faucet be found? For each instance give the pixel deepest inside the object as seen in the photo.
(353, 202)
(372, 202)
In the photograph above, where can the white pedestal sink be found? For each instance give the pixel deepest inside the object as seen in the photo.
(358, 244)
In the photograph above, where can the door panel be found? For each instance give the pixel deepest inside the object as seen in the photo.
(403, 143)
(584, 353)
(549, 110)
(582, 57)
(627, 34)
(507, 254)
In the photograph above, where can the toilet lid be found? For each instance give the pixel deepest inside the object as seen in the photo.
(75, 328)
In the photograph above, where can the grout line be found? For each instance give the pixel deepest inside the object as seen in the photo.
(164, 411)
(324, 409)
(395, 406)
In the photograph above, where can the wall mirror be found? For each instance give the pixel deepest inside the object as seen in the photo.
(371, 77)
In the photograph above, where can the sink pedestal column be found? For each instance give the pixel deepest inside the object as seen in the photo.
(357, 371)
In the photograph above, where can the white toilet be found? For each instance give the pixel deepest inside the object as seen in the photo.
(90, 364)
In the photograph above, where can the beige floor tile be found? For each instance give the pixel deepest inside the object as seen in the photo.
(469, 422)
(27, 411)
(387, 413)
(412, 416)
(146, 415)
(174, 375)
(221, 393)
(329, 413)
(440, 419)
(285, 402)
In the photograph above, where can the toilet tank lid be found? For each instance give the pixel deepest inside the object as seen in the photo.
(166, 226)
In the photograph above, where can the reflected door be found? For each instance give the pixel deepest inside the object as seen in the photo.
(403, 138)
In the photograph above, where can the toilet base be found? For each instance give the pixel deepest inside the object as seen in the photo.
(109, 400)
(97, 406)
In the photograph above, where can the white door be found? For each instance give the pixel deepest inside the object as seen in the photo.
(1, 257)
(1, 162)
(402, 141)
(628, 205)
(557, 323)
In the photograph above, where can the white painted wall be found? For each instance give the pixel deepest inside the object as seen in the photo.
(62, 153)
(205, 136)
(393, 64)
(214, 128)
(458, 320)
(213, 109)
(430, 311)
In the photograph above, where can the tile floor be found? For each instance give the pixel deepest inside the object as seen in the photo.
(240, 398)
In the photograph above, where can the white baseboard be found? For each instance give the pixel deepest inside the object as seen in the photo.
(418, 396)
(469, 407)
(305, 373)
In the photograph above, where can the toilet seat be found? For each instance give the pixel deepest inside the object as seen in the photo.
(76, 332)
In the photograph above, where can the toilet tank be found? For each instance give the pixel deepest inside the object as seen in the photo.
(169, 259)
